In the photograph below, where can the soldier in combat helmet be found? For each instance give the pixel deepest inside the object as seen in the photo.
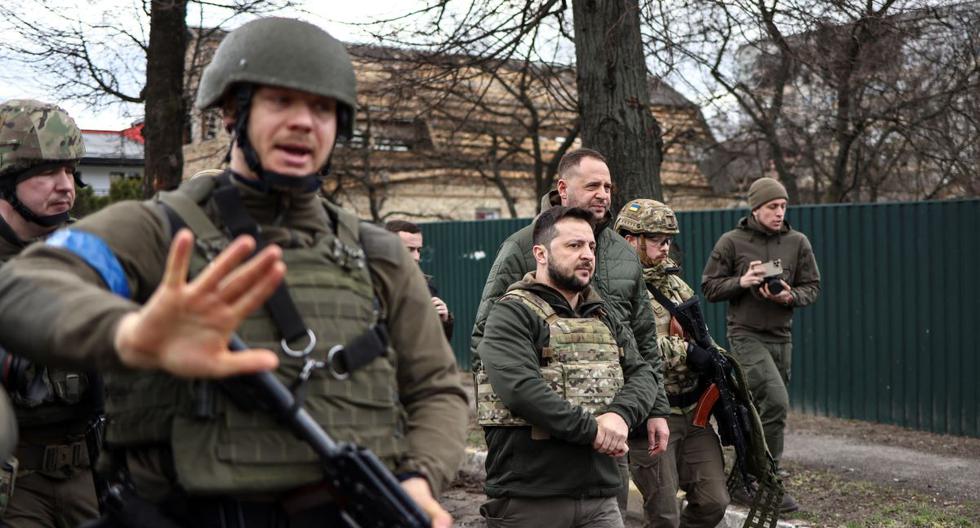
(561, 383)
(269, 259)
(693, 460)
(50, 475)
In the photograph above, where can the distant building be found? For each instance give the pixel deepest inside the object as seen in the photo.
(465, 145)
(111, 155)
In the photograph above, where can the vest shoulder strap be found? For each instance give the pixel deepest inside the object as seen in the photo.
(192, 215)
(347, 225)
(538, 305)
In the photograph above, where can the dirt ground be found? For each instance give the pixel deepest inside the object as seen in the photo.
(851, 473)
(844, 473)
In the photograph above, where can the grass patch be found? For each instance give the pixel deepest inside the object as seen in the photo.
(831, 498)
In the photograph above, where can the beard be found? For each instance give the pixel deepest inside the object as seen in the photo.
(566, 278)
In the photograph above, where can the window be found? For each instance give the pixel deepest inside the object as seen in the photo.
(209, 124)
(487, 213)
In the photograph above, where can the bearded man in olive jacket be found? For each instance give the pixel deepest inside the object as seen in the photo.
(559, 387)
(584, 181)
(760, 320)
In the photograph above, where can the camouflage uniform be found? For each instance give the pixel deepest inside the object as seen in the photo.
(203, 458)
(693, 460)
(53, 484)
(548, 474)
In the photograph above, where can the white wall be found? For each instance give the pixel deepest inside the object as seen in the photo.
(97, 176)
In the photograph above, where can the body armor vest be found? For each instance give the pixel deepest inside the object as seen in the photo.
(580, 363)
(678, 379)
(221, 447)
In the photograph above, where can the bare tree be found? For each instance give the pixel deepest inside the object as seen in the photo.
(613, 99)
(853, 100)
(134, 54)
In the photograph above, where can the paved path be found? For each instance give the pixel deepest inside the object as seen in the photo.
(956, 476)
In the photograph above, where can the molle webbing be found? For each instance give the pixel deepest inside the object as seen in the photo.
(244, 450)
(581, 363)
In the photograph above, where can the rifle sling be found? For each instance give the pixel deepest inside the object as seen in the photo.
(662, 299)
(280, 304)
(373, 343)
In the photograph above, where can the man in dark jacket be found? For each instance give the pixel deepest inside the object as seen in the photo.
(584, 181)
(411, 236)
(560, 386)
(760, 318)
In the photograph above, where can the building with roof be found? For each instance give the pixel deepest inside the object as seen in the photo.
(447, 137)
(111, 155)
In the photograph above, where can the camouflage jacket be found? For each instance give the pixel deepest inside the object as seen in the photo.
(565, 464)
(749, 314)
(678, 379)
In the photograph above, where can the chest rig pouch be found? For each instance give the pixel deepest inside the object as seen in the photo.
(220, 447)
(580, 363)
(678, 378)
(50, 396)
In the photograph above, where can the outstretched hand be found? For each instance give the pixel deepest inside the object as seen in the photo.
(184, 327)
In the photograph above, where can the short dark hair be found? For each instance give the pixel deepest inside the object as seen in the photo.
(396, 226)
(573, 158)
(544, 225)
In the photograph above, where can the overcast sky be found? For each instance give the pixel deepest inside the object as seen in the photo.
(338, 17)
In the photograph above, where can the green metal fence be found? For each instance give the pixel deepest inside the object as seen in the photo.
(891, 339)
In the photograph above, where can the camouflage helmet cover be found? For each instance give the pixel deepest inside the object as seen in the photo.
(34, 133)
(281, 52)
(647, 216)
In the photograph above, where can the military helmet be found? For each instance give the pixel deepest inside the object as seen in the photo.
(287, 53)
(647, 216)
(34, 133)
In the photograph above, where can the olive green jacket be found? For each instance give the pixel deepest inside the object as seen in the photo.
(565, 464)
(618, 279)
(65, 315)
(749, 314)
(10, 243)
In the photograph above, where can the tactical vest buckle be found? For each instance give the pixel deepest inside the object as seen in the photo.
(339, 372)
(57, 457)
(311, 343)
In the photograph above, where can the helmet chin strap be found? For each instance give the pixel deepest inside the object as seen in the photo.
(269, 180)
(44, 221)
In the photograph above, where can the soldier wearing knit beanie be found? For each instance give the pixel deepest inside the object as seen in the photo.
(759, 321)
(765, 190)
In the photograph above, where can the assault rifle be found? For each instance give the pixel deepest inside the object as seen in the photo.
(94, 436)
(753, 463)
(367, 494)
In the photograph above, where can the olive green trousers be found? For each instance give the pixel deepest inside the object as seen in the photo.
(767, 371)
(45, 502)
(692, 462)
(552, 512)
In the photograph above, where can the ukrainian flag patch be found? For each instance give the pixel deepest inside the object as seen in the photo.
(634, 207)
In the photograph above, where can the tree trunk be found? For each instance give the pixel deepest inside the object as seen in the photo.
(164, 106)
(614, 96)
